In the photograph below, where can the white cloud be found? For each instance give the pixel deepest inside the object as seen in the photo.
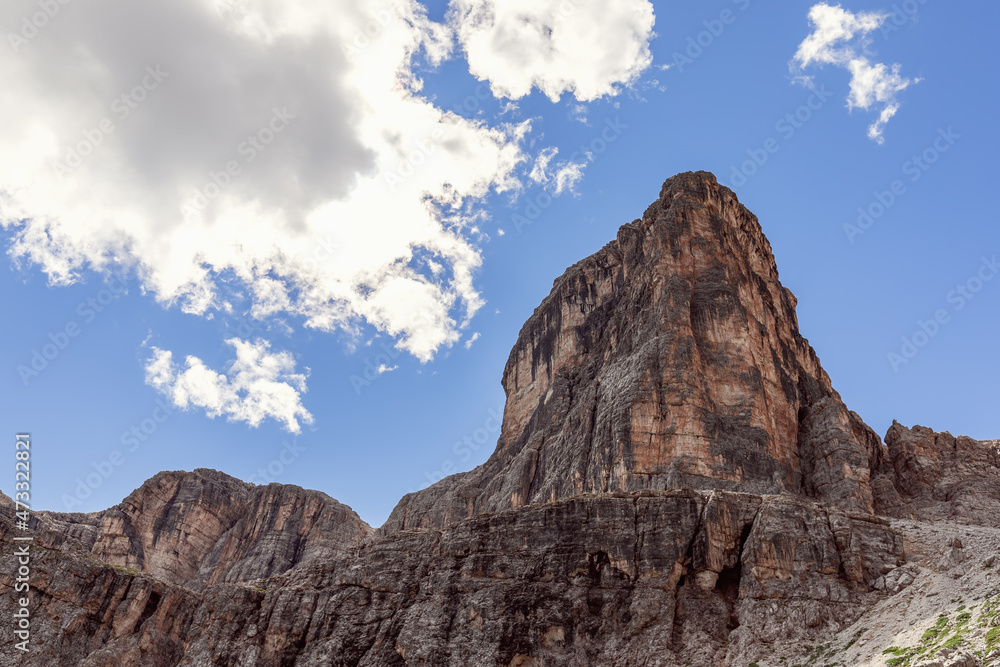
(361, 176)
(539, 171)
(472, 339)
(584, 47)
(278, 151)
(841, 38)
(257, 385)
(579, 113)
(565, 175)
(568, 175)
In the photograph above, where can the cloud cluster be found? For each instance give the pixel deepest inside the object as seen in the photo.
(286, 145)
(193, 140)
(583, 47)
(275, 156)
(840, 38)
(257, 385)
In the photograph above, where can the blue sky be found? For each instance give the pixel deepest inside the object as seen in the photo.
(107, 404)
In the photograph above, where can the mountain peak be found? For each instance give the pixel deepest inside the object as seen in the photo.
(670, 358)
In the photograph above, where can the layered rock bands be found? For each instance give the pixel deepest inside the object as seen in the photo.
(676, 483)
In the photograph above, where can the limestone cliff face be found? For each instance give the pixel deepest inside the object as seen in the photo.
(670, 358)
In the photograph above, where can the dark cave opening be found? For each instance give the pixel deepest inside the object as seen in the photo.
(151, 604)
(728, 583)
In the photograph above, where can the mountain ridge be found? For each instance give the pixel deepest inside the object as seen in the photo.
(676, 482)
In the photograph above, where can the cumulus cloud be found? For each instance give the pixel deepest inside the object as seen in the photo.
(280, 154)
(841, 38)
(258, 385)
(584, 47)
(283, 145)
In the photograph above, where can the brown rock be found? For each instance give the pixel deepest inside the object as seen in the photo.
(942, 477)
(671, 358)
(205, 527)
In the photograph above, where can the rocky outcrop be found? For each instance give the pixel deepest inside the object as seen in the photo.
(207, 527)
(676, 482)
(940, 476)
(670, 358)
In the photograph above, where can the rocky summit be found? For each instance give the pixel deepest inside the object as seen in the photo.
(676, 482)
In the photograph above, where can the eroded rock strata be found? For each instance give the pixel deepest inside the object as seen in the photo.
(676, 483)
(670, 358)
(611, 579)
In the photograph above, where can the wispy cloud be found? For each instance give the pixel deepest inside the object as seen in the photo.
(560, 176)
(841, 38)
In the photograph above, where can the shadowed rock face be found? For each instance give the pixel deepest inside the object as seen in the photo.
(676, 482)
(651, 578)
(670, 358)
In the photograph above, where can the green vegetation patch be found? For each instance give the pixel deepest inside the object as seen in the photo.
(992, 639)
(946, 633)
(934, 632)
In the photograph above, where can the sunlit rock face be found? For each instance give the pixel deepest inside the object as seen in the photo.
(203, 527)
(671, 358)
